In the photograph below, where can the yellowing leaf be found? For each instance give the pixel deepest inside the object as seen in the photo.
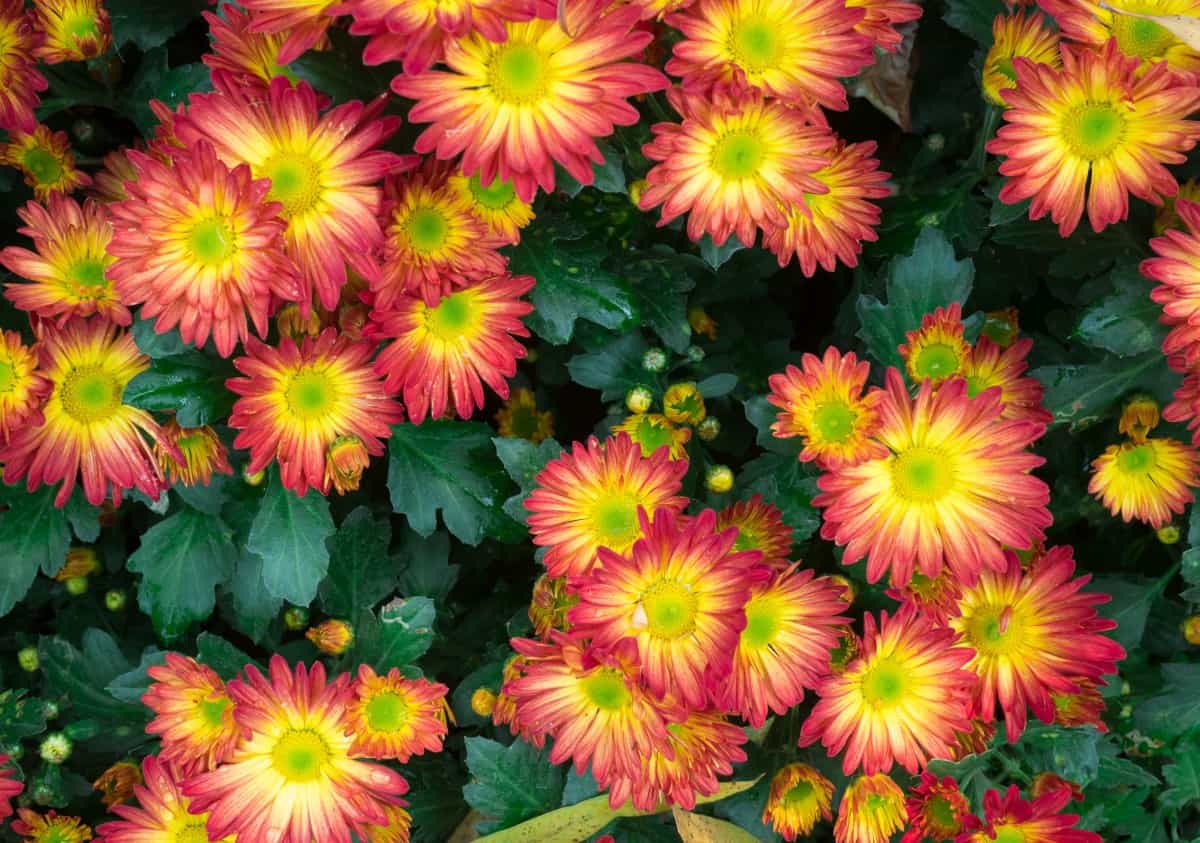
(697, 828)
(1186, 29)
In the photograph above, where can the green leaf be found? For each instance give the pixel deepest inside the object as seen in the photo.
(1070, 753)
(191, 385)
(402, 634)
(510, 784)
(661, 280)
(1132, 598)
(427, 571)
(20, 717)
(254, 607)
(1126, 322)
(149, 23)
(1176, 709)
(1183, 775)
(360, 573)
(762, 414)
(153, 344)
(155, 80)
(84, 518)
(614, 368)
(33, 535)
(524, 461)
(289, 535)
(974, 17)
(1080, 394)
(790, 485)
(608, 177)
(339, 71)
(132, 684)
(971, 773)
(1190, 568)
(227, 660)
(716, 386)
(917, 284)
(714, 255)
(83, 677)
(182, 559)
(451, 467)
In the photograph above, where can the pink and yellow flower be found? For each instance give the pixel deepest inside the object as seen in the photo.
(1084, 707)
(496, 205)
(988, 365)
(872, 810)
(116, 169)
(1012, 818)
(880, 21)
(936, 351)
(1150, 481)
(396, 829)
(1016, 36)
(46, 160)
(10, 788)
(653, 431)
(1176, 268)
(760, 527)
(799, 797)
(50, 828)
(202, 451)
(163, 815)
(1186, 404)
(20, 82)
(394, 717)
(73, 30)
(937, 810)
(304, 22)
(193, 714)
(250, 57)
(1093, 25)
(22, 386)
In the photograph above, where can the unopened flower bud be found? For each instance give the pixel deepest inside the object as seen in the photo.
(639, 400)
(709, 429)
(292, 323)
(28, 659)
(115, 600)
(345, 462)
(295, 618)
(718, 479)
(695, 353)
(654, 360)
(1168, 534)
(483, 702)
(55, 748)
(683, 404)
(254, 478)
(1191, 630)
(331, 637)
(77, 586)
(636, 189)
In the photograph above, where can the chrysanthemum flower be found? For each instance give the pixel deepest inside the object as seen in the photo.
(936, 351)
(1139, 416)
(872, 810)
(796, 52)
(116, 784)
(1012, 818)
(193, 714)
(936, 810)
(515, 107)
(974, 741)
(799, 797)
(1034, 634)
(345, 460)
(250, 57)
(900, 701)
(653, 431)
(433, 242)
(394, 717)
(733, 167)
(331, 637)
(50, 828)
(1185, 406)
(519, 417)
(46, 160)
(679, 594)
(440, 357)
(1084, 707)
(1093, 24)
(1016, 36)
(108, 185)
(297, 399)
(162, 815)
(10, 788)
(1166, 216)
(203, 453)
(954, 486)
(22, 386)
(832, 226)
(936, 597)
(303, 21)
(882, 17)
(496, 205)
(80, 562)
(590, 498)
(1046, 782)
(323, 169)
(291, 778)
(20, 82)
(1177, 271)
(73, 30)
(792, 624)
(760, 527)
(396, 829)
(824, 405)
(988, 365)
(1093, 128)
(550, 604)
(1149, 481)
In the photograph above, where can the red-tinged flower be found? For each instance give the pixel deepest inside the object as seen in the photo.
(87, 428)
(700, 747)
(345, 461)
(396, 829)
(832, 226)
(653, 431)
(792, 625)
(1093, 131)
(936, 810)
(1094, 24)
(237, 49)
(416, 32)
(880, 21)
(303, 21)
(1084, 707)
(936, 351)
(1139, 416)
(46, 160)
(678, 593)
(900, 701)
(20, 82)
(1035, 634)
(795, 52)
(593, 704)
(108, 185)
(1011, 818)
(202, 451)
(323, 170)
(590, 498)
(1016, 36)
(10, 788)
(72, 30)
(733, 167)
(433, 242)
(1186, 404)
(193, 714)
(297, 399)
(514, 108)
(760, 527)
(116, 784)
(799, 797)
(1046, 782)
(50, 827)
(988, 365)
(1177, 271)
(394, 717)
(1149, 481)
(954, 486)
(823, 403)
(658, 9)
(936, 597)
(1167, 216)
(22, 386)
(496, 205)
(440, 357)
(550, 605)
(162, 815)
(974, 741)
(872, 810)
(292, 778)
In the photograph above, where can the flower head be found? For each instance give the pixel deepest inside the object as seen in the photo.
(80, 562)
(20, 82)
(880, 20)
(202, 451)
(988, 365)
(653, 431)
(10, 788)
(346, 459)
(550, 605)
(193, 714)
(1093, 25)
(117, 783)
(760, 527)
(73, 30)
(331, 637)
(1167, 216)
(1149, 481)
(108, 185)
(872, 810)
(936, 809)
(496, 205)
(799, 797)
(519, 417)
(46, 159)
(50, 827)
(395, 829)
(394, 717)
(1139, 416)
(303, 21)
(934, 596)
(1177, 271)
(22, 386)
(1010, 817)
(1084, 707)
(1016, 36)
(936, 351)
(250, 57)
(162, 815)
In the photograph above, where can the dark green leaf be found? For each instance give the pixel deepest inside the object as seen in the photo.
(1132, 598)
(1183, 775)
(132, 684)
(714, 255)
(661, 281)
(402, 634)
(974, 17)
(1070, 753)
(614, 368)
(227, 660)
(1126, 322)
(762, 414)
(340, 72)
(608, 177)
(790, 485)
(84, 518)
(510, 784)
(524, 461)
(1176, 709)
(289, 535)
(149, 23)
(33, 535)
(153, 344)
(83, 677)
(1080, 394)
(20, 717)
(427, 569)
(360, 573)
(155, 80)
(716, 386)
(191, 385)
(254, 607)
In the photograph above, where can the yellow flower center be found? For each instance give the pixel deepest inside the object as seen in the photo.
(8, 376)
(311, 394)
(1093, 130)
(195, 831)
(606, 690)
(1142, 38)
(762, 623)
(212, 241)
(800, 795)
(300, 755)
(737, 155)
(936, 361)
(922, 475)
(1137, 460)
(883, 684)
(755, 44)
(387, 712)
(453, 318)
(834, 421)
(495, 197)
(43, 165)
(295, 182)
(666, 610)
(518, 73)
(427, 229)
(90, 394)
(615, 522)
(1009, 834)
(212, 711)
(994, 630)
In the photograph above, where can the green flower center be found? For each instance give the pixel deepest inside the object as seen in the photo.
(941, 815)
(762, 624)
(90, 394)
(427, 229)
(310, 394)
(213, 241)
(88, 277)
(1008, 834)
(387, 712)
(43, 165)
(936, 361)
(738, 155)
(452, 317)
(994, 630)
(606, 690)
(652, 436)
(669, 610)
(299, 756)
(212, 712)
(801, 793)
(80, 27)
(193, 832)
(834, 421)
(615, 522)
(1093, 130)
(977, 384)
(883, 684)
(8, 376)
(1142, 38)
(755, 44)
(1005, 68)
(295, 182)
(1137, 460)
(495, 197)
(519, 73)
(922, 475)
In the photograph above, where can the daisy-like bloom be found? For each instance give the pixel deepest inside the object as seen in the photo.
(46, 160)
(832, 226)
(936, 809)
(292, 778)
(87, 428)
(796, 52)
(432, 241)
(193, 714)
(733, 167)
(1166, 216)
(1185, 406)
(69, 269)
(20, 82)
(162, 815)
(872, 810)
(880, 21)
(988, 365)
(590, 498)
(799, 797)
(1177, 271)
(396, 829)
(900, 701)
(520, 418)
(516, 106)
(394, 717)
(792, 624)
(934, 596)
(203, 453)
(823, 403)
(117, 783)
(1084, 708)
(550, 605)
(1034, 634)
(1139, 416)
(653, 431)
(496, 205)
(323, 169)
(10, 788)
(936, 351)
(250, 57)
(1149, 481)
(1093, 131)
(108, 185)
(439, 357)
(974, 741)
(50, 828)
(73, 30)
(760, 527)
(304, 22)
(1016, 36)
(1093, 24)
(954, 486)
(22, 386)
(1010, 817)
